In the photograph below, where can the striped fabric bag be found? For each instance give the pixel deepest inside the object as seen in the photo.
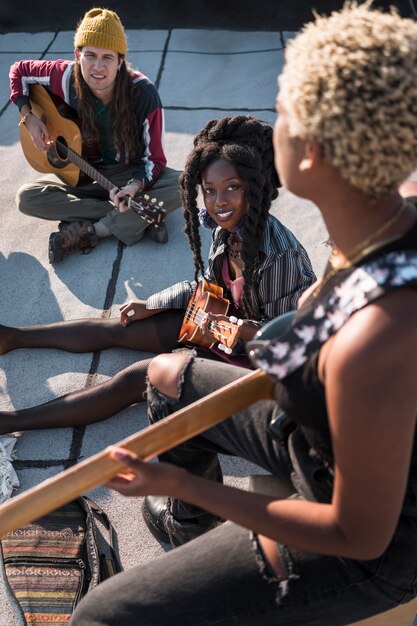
(51, 564)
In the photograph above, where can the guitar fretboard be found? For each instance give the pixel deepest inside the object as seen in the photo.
(84, 166)
(149, 211)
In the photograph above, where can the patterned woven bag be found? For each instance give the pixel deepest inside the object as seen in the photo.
(49, 565)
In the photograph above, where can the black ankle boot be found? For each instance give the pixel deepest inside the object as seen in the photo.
(154, 511)
(164, 527)
(159, 234)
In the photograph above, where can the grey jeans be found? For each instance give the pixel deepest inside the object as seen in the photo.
(52, 199)
(222, 577)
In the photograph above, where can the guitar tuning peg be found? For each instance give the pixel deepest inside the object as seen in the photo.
(161, 204)
(224, 348)
(153, 200)
(146, 196)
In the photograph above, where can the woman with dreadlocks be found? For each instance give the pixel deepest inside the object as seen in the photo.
(260, 265)
(121, 118)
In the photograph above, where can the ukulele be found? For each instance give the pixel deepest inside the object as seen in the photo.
(63, 157)
(208, 298)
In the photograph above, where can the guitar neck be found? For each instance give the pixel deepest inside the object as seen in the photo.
(152, 441)
(149, 211)
(86, 168)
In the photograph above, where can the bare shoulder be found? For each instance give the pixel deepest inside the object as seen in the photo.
(385, 329)
(373, 360)
(371, 396)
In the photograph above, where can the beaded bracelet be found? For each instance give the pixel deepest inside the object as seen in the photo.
(24, 118)
(137, 181)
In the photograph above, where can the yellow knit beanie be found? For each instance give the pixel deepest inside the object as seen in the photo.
(103, 29)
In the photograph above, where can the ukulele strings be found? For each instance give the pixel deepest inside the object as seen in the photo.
(200, 317)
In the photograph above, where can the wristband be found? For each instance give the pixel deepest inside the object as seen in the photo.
(137, 181)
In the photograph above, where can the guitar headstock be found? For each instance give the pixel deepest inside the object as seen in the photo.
(225, 333)
(150, 209)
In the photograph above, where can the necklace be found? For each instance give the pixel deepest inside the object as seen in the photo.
(234, 246)
(234, 251)
(361, 249)
(359, 252)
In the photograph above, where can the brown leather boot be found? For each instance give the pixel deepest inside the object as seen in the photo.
(72, 236)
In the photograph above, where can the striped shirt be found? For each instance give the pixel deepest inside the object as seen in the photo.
(282, 272)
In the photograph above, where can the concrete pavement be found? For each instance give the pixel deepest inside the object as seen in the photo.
(200, 74)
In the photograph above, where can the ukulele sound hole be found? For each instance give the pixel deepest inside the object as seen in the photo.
(58, 153)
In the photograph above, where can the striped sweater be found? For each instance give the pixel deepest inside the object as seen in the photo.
(282, 272)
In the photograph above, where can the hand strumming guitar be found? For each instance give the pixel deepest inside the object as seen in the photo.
(37, 128)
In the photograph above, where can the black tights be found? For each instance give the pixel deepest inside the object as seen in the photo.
(155, 334)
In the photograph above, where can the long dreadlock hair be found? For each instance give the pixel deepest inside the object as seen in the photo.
(247, 143)
(122, 112)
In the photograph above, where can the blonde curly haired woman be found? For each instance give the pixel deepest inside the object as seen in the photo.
(344, 547)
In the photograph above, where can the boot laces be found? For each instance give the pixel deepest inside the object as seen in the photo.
(78, 235)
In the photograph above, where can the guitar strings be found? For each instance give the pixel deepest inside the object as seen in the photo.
(147, 210)
(189, 311)
(201, 315)
(76, 159)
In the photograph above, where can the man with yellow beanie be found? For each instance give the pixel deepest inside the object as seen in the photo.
(122, 123)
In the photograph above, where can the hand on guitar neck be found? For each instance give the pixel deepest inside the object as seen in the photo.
(150, 209)
(215, 327)
(206, 320)
(120, 197)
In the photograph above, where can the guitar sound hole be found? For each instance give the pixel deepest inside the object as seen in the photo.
(58, 153)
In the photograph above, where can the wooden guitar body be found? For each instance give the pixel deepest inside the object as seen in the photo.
(208, 297)
(60, 128)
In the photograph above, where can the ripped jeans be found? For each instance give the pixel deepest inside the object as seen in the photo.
(222, 578)
(244, 435)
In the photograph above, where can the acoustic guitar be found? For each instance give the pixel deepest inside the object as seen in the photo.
(147, 444)
(63, 157)
(208, 298)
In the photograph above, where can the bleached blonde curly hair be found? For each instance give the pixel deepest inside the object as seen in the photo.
(350, 82)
